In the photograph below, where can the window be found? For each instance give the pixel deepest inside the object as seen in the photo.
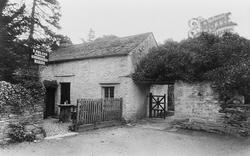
(108, 92)
(65, 93)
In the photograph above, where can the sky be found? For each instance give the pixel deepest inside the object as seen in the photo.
(167, 19)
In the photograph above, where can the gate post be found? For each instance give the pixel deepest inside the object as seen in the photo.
(164, 106)
(121, 108)
(150, 105)
(77, 111)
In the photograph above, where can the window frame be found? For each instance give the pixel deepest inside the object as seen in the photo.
(108, 92)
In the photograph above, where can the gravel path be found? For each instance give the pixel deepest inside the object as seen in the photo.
(53, 127)
(135, 141)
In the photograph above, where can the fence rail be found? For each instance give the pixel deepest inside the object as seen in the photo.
(91, 111)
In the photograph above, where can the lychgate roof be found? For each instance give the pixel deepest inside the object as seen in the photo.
(100, 48)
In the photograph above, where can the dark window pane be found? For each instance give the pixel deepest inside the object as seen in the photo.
(65, 92)
(111, 92)
(106, 92)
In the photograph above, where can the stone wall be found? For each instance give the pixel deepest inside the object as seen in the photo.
(137, 106)
(197, 107)
(32, 118)
(197, 102)
(136, 100)
(18, 107)
(87, 77)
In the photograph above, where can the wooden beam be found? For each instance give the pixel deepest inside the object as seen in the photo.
(155, 82)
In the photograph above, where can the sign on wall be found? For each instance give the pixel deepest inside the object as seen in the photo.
(217, 25)
(40, 57)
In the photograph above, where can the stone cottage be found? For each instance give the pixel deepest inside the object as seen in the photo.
(100, 69)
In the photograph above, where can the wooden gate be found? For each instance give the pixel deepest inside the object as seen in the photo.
(92, 111)
(157, 106)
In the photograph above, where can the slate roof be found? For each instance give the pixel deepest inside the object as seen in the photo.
(101, 48)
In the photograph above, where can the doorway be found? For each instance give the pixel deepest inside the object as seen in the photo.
(50, 102)
(65, 92)
(170, 97)
(162, 100)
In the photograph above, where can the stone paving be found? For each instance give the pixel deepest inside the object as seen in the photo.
(53, 127)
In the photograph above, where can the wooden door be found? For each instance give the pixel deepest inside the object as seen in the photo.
(65, 92)
(50, 102)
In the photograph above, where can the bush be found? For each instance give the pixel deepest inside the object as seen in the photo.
(17, 133)
(29, 79)
(224, 61)
(15, 99)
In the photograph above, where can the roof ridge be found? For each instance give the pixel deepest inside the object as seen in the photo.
(136, 35)
(141, 41)
(78, 44)
(106, 47)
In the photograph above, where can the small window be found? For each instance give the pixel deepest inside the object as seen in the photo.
(108, 92)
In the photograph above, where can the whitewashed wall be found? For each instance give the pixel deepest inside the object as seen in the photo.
(87, 77)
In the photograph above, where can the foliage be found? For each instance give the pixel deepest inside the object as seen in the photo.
(42, 24)
(61, 41)
(12, 51)
(29, 79)
(224, 61)
(15, 28)
(17, 133)
(14, 98)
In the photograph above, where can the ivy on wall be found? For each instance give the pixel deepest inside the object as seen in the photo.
(15, 99)
(22, 96)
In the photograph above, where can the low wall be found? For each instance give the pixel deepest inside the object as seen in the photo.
(197, 102)
(17, 109)
(33, 123)
(197, 107)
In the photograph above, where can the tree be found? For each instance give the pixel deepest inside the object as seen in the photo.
(61, 41)
(91, 35)
(23, 29)
(43, 21)
(12, 50)
(3, 4)
(39, 22)
(223, 61)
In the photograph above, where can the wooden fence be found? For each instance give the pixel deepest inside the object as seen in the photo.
(92, 111)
